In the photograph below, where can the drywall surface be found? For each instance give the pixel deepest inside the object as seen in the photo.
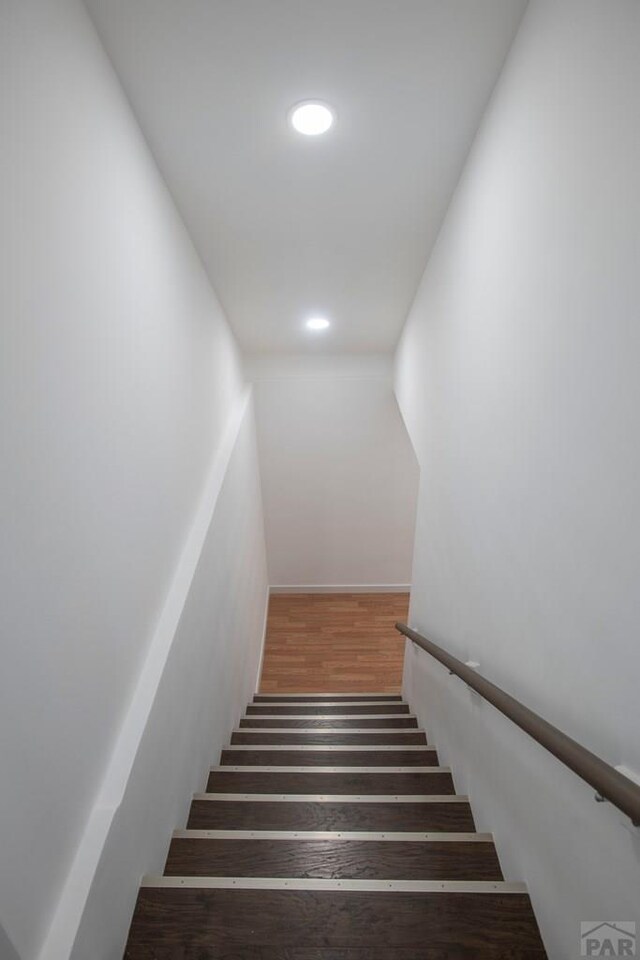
(517, 375)
(339, 476)
(118, 379)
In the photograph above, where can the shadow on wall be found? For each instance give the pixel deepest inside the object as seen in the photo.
(7, 950)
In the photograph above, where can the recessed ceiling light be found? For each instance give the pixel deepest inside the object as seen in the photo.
(311, 117)
(317, 323)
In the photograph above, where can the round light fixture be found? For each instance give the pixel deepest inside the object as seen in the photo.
(311, 117)
(317, 323)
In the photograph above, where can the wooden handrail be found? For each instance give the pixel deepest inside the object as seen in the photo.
(608, 782)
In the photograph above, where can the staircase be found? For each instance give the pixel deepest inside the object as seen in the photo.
(330, 832)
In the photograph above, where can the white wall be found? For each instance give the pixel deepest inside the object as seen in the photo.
(518, 376)
(339, 476)
(210, 676)
(118, 379)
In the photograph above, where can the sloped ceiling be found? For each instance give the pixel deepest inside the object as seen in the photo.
(286, 225)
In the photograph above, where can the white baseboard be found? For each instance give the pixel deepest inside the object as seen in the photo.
(341, 588)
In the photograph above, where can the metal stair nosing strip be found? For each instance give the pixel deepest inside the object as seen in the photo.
(330, 703)
(332, 693)
(358, 835)
(330, 747)
(334, 798)
(312, 770)
(314, 731)
(364, 886)
(329, 716)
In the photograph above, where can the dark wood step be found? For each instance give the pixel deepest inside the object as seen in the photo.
(311, 723)
(197, 922)
(334, 859)
(422, 952)
(453, 816)
(305, 709)
(388, 738)
(327, 697)
(347, 782)
(397, 757)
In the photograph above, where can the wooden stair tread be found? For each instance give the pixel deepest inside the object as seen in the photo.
(310, 815)
(388, 738)
(194, 918)
(317, 723)
(425, 951)
(327, 697)
(326, 709)
(397, 757)
(369, 859)
(353, 781)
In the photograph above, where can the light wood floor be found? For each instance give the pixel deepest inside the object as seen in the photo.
(342, 642)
